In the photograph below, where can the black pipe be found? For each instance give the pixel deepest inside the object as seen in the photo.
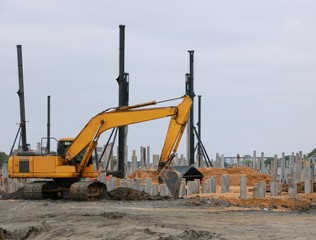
(21, 97)
(123, 101)
(190, 92)
(199, 130)
(48, 125)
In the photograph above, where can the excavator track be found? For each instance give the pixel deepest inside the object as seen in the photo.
(42, 190)
(81, 190)
(87, 190)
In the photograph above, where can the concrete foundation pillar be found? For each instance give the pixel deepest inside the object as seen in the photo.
(224, 183)
(308, 186)
(129, 183)
(274, 167)
(155, 160)
(197, 186)
(123, 183)
(134, 162)
(254, 160)
(255, 192)
(113, 182)
(282, 176)
(291, 188)
(148, 156)
(136, 183)
(243, 186)
(190, 187)
(212, 181)
(273, 187)
(262, 165)
(148, 185)
(262, 189)
(155, 189)
(222, 161)
(183, 191)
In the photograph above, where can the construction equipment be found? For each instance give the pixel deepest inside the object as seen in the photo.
(73, 160)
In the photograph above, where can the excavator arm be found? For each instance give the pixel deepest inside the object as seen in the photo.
(88, 137)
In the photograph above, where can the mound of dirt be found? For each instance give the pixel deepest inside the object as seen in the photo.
(129, 194)
(145, 173)
(253, 177)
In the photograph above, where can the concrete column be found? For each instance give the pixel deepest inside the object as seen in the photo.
(262, 166)
(143, 157)
(224, 183)
(254, 160)
(308, 186)
(148, 185)
(273, 187)
(309, 169)
(262, 189)
(243, 186)
(255, 192)
(190, 187)
(282, 176)
(298, 167)
(137, 183)
(155, 189)
(148, 156)
(274, 167)
(183, 191)
(218, 160)
(129, 183)
(113, 182)
(176, 160)
(156, 160)
(123, 183)
(213, 184)
(291, 165)
(222, 161)
(291, 188)
(134, 162)
(209, 185)
(304, 161)
(108, 184)
(182, 163)
(197, 186)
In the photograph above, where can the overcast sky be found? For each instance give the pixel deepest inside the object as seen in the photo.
(255, 68)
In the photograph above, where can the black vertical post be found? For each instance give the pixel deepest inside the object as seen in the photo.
(190, 92)
(123, 101)
(199, 130)
(48, 125)
(21, 98)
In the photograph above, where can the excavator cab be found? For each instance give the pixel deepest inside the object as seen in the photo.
(62, 146)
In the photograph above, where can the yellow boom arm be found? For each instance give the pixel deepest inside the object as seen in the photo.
(88, 137)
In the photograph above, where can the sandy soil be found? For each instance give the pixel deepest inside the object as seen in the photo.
(198, 217)
(130, 214)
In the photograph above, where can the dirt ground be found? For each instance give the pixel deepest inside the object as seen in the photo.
(130, 214)
(141, 217)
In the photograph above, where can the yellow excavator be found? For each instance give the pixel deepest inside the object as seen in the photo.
(65, 170)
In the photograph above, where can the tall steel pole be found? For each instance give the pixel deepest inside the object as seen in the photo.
(190, 91)
(199, 131)
(48, 125)
(123, 101)
(21, 98)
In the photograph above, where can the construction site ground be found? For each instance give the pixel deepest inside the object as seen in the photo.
(130, 214)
